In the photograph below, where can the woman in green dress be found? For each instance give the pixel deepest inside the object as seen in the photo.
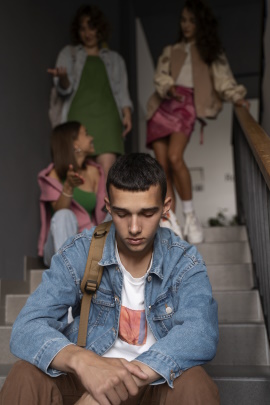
(92, 81)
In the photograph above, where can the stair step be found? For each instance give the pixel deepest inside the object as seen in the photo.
(243, 391)
(225, 234)
(2, 315)
(12, 287)
(241, 385)
(242, 345)
(5, 356)
(32, 264)
(239, 307)
(231, 276)
(14, 304)
(4, 370)
(216, 371)
(2, 380)
(35, 278)
(225, 252)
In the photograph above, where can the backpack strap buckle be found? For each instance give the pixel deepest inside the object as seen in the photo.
(100, 234)
(90, 286)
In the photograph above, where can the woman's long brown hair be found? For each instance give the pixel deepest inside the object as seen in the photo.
(207, 38)
(62, 149)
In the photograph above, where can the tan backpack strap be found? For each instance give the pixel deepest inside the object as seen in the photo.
(92, 277)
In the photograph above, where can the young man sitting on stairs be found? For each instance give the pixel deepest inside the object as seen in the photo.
(152, 320)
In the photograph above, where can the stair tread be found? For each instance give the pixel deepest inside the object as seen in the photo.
(225, 233)
(33, 262)
(12, 286)
(225, 252)
(231, 277)
(4, 369)
(235, 371)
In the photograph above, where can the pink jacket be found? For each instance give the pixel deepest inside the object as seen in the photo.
(51, 190)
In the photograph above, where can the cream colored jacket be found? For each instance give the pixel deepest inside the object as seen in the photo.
(212, 84)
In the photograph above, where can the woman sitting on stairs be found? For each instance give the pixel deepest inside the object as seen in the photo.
(72, 189)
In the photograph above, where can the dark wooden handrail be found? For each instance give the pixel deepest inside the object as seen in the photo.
(257, 139)
(252, 180)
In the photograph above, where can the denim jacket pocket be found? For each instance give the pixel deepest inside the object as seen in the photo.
(163, 311)
(102, 304)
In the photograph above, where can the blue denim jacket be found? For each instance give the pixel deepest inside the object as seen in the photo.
(73, 59)
(186, 337)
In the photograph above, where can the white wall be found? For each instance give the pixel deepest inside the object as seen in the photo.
(211, 164)
(145, 72)
(266, 80)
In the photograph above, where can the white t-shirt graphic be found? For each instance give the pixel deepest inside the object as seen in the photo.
(134, 336)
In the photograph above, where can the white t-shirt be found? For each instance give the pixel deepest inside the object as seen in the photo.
(134, 336)
(185, 77)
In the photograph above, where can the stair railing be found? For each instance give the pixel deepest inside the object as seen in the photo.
(252, 182)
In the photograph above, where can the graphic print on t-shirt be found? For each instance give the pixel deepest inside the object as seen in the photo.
(132, 326)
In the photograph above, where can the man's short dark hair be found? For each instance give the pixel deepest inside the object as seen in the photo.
(137, 172)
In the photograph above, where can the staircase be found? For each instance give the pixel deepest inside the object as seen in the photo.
(241, 367)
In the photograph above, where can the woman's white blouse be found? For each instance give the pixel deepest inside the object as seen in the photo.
(185, 77)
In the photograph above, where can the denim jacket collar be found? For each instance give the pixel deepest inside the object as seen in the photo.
(102, 50)
(109, 258)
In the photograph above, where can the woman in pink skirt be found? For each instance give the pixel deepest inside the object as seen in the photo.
(191, 80)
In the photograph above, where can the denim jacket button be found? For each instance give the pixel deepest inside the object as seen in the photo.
(172, 376)
(149, 278)
(168, 310)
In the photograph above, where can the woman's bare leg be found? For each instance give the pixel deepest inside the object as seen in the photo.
(161, 148)
(180, 172)
(106, 160)
(181, 176)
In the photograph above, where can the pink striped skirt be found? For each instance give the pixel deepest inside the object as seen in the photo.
(172, 116)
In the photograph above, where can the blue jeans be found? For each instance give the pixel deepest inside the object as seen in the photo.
(63, 225)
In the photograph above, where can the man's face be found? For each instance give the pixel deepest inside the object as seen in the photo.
(136, 216)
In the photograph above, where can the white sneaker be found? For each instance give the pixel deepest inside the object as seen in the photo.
(169, 220)
(193, 231)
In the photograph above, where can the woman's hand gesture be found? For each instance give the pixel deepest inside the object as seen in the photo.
(243, 103)
(61, 73)
(73, 178)
(58, 71)
(174, 94)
